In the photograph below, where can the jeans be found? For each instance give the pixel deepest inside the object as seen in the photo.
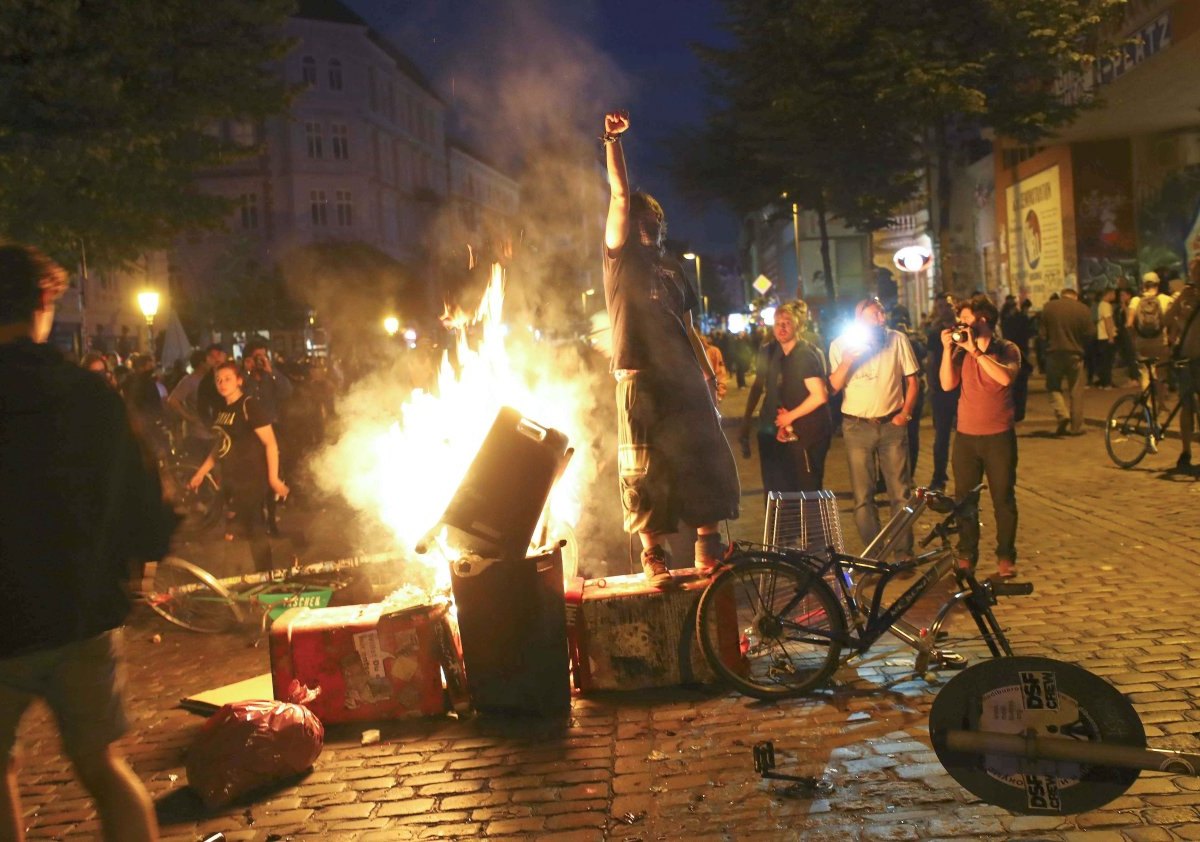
(1106, 355)
(866, 442)
(1065, 368)
(993, 456)
(945, 415)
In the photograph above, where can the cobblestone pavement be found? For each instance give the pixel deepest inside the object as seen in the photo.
(1113, 555)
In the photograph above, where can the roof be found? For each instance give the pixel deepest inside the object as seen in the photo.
(456, 143)
(334, 11)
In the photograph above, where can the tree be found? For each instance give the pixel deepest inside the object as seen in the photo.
(107, 111)
(842, 103)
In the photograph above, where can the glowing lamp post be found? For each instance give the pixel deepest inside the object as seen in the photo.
(392, 325)
(148, 304)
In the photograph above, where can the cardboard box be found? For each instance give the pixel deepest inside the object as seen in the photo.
(370, 661)
(625, 634)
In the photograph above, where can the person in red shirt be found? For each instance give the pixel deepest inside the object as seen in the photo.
(986, 442)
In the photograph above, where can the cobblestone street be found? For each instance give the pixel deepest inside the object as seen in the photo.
(1114, 558)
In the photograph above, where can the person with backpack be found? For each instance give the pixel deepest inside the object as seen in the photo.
(1148, 321)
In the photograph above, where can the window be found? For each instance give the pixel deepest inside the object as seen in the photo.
(335, 75)
(339, 141)
(308, 71)
(249, 210)
(345, 208)
(390, 102)
(312, 132)
(242, 133)
(316, 200)
(372, 92)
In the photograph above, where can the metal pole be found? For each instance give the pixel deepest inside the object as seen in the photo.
(1032, 747)
(796, 242)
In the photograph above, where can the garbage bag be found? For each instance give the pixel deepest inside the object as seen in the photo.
(248, 745)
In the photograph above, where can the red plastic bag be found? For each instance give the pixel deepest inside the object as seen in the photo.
(248, 745)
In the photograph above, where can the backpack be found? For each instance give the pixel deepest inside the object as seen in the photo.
(1148, 320)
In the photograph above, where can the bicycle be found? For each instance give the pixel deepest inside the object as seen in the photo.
(773, 621)
(1132, 428)
(199, 508)
(189, 596)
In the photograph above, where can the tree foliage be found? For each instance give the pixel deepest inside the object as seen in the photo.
(105, 112)
(838, 102)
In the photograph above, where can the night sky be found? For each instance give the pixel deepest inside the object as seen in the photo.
(609, 53)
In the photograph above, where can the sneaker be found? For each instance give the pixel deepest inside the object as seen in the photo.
(654, 566)
(1005, 569)
(710, 551)
(1062, 428)
(1184, 463)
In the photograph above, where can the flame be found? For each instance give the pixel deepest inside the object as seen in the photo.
(406, 470)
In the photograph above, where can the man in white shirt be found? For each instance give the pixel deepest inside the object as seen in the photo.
(878, 370)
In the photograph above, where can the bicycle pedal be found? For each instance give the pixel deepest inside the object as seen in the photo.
(951, 661)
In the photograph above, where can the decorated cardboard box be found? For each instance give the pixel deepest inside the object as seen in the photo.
(369, 661)
(625, 634)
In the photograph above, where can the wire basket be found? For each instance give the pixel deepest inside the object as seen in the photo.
(803, 520)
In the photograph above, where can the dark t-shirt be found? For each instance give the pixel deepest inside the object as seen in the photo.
(784, 385)
(648, 298)
(78, 499)
(240, 450)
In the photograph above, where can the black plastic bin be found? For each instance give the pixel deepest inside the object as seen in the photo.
(513, 625)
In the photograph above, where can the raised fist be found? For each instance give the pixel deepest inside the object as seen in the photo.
(616, 122)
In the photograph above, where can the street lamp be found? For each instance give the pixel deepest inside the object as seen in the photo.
(392, 325)
(691, 255)
(148, 303)
(796, 243)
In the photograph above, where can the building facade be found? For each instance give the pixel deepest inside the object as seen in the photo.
(1117, 192)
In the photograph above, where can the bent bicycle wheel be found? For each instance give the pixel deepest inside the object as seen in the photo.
(189, 596)
(1127, 431)
(770, 629)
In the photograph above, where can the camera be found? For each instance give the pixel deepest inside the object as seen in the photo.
(960, 332)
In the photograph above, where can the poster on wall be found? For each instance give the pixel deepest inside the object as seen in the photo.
(1035, 236)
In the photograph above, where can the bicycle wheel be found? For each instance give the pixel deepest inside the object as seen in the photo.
(200, 508)
(1128, 430)
(189, 596)
(770, 629)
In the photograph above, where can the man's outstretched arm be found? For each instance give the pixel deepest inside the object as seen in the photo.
(616, 229)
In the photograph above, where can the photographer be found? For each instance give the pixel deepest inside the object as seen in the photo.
(986, 444)
(878, 370)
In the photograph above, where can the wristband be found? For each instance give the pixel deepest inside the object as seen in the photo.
(609, 137)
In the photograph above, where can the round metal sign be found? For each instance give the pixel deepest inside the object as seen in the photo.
(1043, 698)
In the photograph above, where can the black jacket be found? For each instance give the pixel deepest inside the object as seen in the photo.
(78, 500)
